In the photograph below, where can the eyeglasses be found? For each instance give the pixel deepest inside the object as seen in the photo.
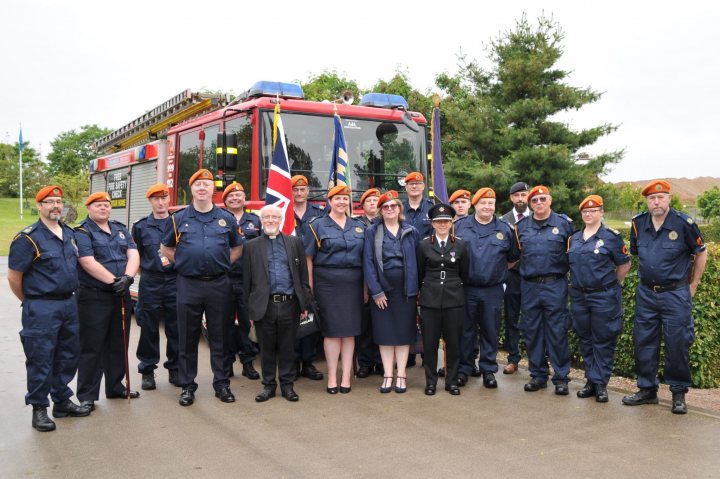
(271, 217)
(52, 202)
(415, 183)
(389, 206)
(541, 199)
(588, 211)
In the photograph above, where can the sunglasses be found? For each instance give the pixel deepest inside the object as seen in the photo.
(389, 206)
(541, 199)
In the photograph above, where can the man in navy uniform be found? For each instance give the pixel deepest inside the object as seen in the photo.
(157, 291)
(305, 348)
(518, 197)
(672, 257)
(248, 225)
(492, 246)
(203, 243)
(42, 272)
(277, 286)
(109, 261)
(542, 240)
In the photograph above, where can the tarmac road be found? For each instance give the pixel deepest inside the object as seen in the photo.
(482, 433)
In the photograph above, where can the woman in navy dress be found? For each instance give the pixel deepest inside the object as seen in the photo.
(334, 254)
(390, 266)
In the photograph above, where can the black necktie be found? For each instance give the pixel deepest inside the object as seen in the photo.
(442, 245)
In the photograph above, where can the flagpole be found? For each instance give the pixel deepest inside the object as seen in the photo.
(20, 147)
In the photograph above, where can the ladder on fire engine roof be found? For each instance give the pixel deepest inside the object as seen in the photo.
(157, 121)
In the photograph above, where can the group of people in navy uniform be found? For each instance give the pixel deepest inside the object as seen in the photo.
(372, 283)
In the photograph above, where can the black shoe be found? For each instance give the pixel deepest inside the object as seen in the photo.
(453, 389)
(379, 370)
(363, 372)
(411, 361)
(124, 395)
(489, 380)
(462, 379)
(386, 389)
(399, 389)
(643, 396)
(601, 394)
(587, 391)
(430, 390)
(441, 372)
(311, 372)
(289, 393)
(249, 371)
(332, 390)
(475, 372)
(265, 394)
(173, 377)
(69, 408)
(535, 384)
(187, 397)
(40, 419)
(225, 395)
(678, 403)
(148, 381)
(344, 390)
(561, 389)
(88, 404)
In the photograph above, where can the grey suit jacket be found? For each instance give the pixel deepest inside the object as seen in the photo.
(256, 280)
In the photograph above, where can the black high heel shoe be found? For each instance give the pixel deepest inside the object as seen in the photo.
(384, 389)
(332, 390)
(345, 390)
(399, 389)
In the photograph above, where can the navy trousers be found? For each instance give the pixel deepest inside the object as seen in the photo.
(482, 320)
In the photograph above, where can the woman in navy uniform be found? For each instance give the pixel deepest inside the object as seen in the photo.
(42, 272)
(599, 262)
(335, 254)
(110, 261)
(443, 265)
(390, 266)
(248, 225)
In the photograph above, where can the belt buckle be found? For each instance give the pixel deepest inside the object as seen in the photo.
(442, 274)
(656, 288)
(277, 298)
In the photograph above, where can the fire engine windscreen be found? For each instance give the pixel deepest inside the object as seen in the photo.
(379, 152)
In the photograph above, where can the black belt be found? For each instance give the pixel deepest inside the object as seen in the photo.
(544, 279)
(207, 277)
(52, 297)
(608, 287)
(281, 298)
(662, 288)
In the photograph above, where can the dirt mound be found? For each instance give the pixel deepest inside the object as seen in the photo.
(687, 189)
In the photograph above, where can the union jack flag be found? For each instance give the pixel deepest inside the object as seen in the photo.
(279, 189)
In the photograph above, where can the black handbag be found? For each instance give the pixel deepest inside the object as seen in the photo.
(309, 325)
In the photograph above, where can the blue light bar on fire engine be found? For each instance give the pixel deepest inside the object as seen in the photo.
(274, 88)
(384, 100)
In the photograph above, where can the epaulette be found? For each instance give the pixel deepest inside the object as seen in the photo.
(614, 231)
(644, 213)
(565, 217)
(26, 234)
(29, 229)
(118, 223)
(144, 218)
(313, 219)
(684, 216)
(458, 220)
(81, 228)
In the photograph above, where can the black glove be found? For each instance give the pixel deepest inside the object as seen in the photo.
(121, 286)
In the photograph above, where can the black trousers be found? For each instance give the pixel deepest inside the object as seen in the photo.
(101, 343)
(449, 324)
(276, 333)
(368, 353)
(213, 298)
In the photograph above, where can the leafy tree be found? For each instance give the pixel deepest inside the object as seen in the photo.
(75, 187)
(709, 204)
(71, 150)
(34, 171)
(500, 125)
(328, 86)
(399, 84)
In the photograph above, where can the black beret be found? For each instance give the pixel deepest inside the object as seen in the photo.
(519, 186)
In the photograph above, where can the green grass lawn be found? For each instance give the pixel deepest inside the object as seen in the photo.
(11, 224)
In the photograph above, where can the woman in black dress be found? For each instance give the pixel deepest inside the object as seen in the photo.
(390, 266)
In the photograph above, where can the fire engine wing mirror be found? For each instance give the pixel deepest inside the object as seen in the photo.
(226, 151)
(409, 122)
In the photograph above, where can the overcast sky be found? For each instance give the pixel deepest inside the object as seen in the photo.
(70, 63)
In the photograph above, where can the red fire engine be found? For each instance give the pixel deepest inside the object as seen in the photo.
(384, 140)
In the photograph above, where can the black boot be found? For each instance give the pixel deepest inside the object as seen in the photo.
(601, 394)
(148, 381)
(678, 403)
(40, 419)
(69, 408)
(587, 391)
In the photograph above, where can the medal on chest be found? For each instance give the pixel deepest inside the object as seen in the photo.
(452, 256)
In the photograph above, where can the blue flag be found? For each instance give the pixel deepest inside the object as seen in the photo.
(438, 175)
(338, 174)
(20, 142)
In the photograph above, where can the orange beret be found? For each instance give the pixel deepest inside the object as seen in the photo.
(234, 186)
(158, 189)
(202, 174)
(50, 190)
(656, 186)
(459, 194)
(414, 176)
(370, 192)
(299, 180)
(592, 201)
(339, 190)
(538, 190)
(483, 193)
(99, 196)
(387, 196)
